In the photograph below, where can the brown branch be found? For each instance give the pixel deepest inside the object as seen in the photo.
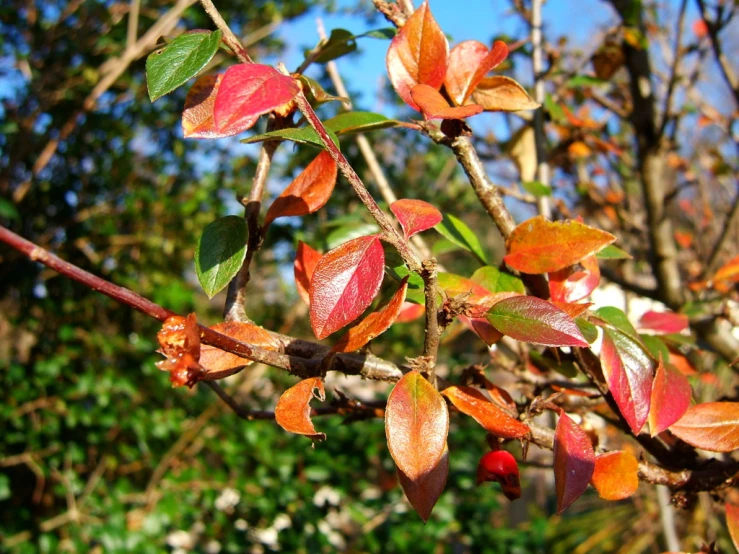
(724, 64)
(732, 220)
(676, 58)
(229, 38)
(433, 332)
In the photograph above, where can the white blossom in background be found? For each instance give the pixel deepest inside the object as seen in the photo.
(227, 500)
(268, 537)
(241, 524)
(282, 522)
(180, 540)
(213, 547)
(332, 536)
(326, 495)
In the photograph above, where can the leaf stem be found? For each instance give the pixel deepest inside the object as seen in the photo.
(228, 36)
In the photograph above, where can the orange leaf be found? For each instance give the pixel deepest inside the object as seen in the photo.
(434, 105)
(292, 412)
(308, 192)
(579, 149)
(541, 246)
(482, 328)
(416, 426)
(469, 62)
(179, 338)
(575, 282)
(197, 118)
(473, 403)
(306, 260)
(729, 271)
(374, 324)
(410, 311)
(732, 522)
(418, 54)
(713, 426)
(218, 363)
(424, 492)
(502, 94)
(671, 396)
(415, 215)
(616, 475)
(574, 462)
(572, 309)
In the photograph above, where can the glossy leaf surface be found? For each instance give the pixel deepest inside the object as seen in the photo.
(220, 253)
(502, 94)
(712, 426)
(344, 283)
(457, 231)
(374, 324)
(416, 426)
(542, 246)
(664, 323)
(301, 135)
(426, 490)
(418, 54)
(249, 90)
(472, 402)
(497, 281)
(576, 282)
(469, 62)
(616, 475)
(292, 412)
(218, 363)
(197, 118)
(574, 462)
(531, 319)
(415, 216)
(434, 106)
(670, 399)
(178, 62)
(306, 260)
(308, 192)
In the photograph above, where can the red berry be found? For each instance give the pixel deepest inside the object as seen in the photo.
(502, 467)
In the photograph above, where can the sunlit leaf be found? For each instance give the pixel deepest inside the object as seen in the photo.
(218, 363)
(575, 282)
(497, 281)
(344, 283)
(340, 43)
(220, 253)
(426, 490)
(541, 246)
(301, 135)
(306, 260)
(418, 54)
(292, 412)
(315, 92)
(663, 322)
(712, 426)
(472, 402)
(358, 122)
(469, 62)
(178, 62)
(574, 462)
(617, 319)
(612, 252)
(537, 188)
(477, 298)
(502, 94)
(415, 215)
(459, 233)
(531, 319)
(179, 339)
(670, 399)
(434, 106)
(374, 324)
(410, 311)
(482, 328)
(616, 475)
(308, 192)
(197, 118)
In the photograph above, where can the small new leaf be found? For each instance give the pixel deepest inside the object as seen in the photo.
(415, 215)
(434, 106)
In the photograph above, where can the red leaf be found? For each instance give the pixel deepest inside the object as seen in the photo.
(410, 311)
(542, 246)
(247, 91)
(179, 338)
(574, 462)
(472, 402)
(415, 215)
(469, 62)
(670, 399)
(197, 119)
(218, 363)
(575, 282)
(434, 105)
(416, 426)
(482, 328)
(732, 522)
(573, 310)
(616, 475)
(713, 426)
(418, 54)
(425, 491)
(628, 372)
(374, 324)
(500, 466)
(292, 412)
(305, 264)
(344, 283)
(502, 94)
(664, 322)
(308, 192)
(477, 298)
(531, 319)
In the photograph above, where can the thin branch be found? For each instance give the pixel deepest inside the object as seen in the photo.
(229, 38)
(133, 23)
(542, 166)
(730, 225)
(676, 58)
(433, 332)
(724, 64)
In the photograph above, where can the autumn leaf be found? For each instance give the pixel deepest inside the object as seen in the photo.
(179, 339)
(628, 370)
(502, 94)
(344, 283)
(541, 246)
(575, 282)
(713, 426)
(415, 215)
(469, 62)
(531, 319)
(308, 192)
(434, 106)
(663, 323)
(416, 426)
(425, 491)
(473, 403)
(218, 363)
(418, 54)
(197, 118)
(476, 298)
(670, 398)
(482, 328)
(247, 91)
(574, 462)
(374, 324)
(292, 412)
(615, 476)
(306, 260)
(410, 311)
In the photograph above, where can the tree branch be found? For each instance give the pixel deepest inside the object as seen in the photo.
(229, 38)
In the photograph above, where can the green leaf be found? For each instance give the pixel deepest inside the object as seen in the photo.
(554, 110)
(340, 43)
(315, 92)
(457, 231)
(537, 188)
(358, 122)
(220, 253)
(497, 281)
(588, 330)
(8, 209)
(384, 33)
(617, 319)
(179, 61)
(400, 272)
(585, 81)
(302, 135)
(346, 233)
(612, 252)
